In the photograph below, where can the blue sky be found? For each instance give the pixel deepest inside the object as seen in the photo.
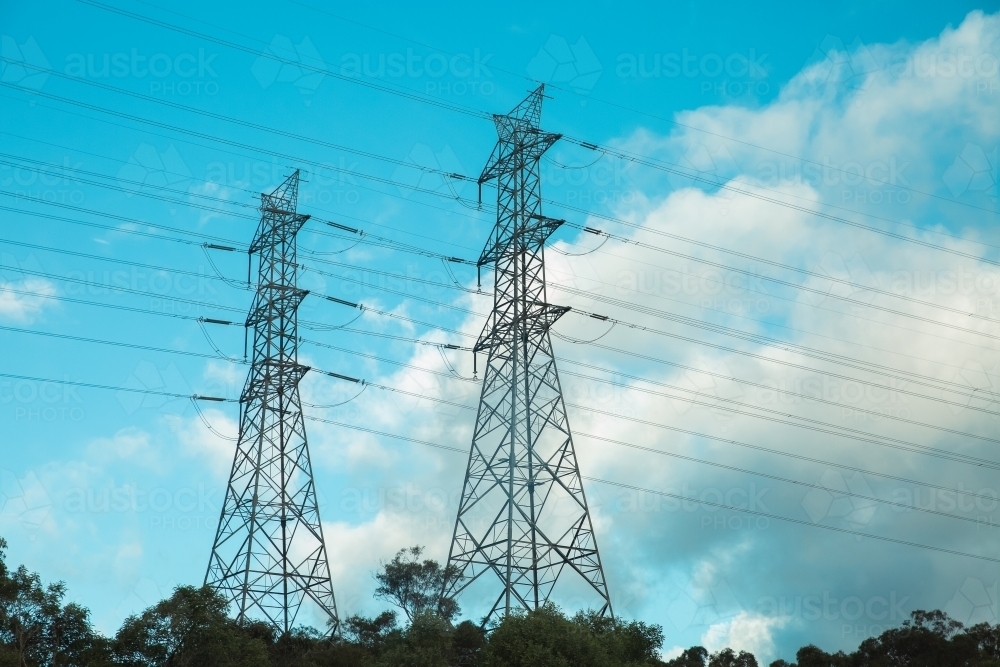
(118, 494)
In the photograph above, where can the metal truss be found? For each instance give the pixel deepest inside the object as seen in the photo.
(269, 556)
(523, 521)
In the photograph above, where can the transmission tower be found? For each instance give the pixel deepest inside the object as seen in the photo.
(523, 520)
(269, 556)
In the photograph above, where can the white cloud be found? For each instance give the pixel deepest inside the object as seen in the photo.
(746, 632)
(129, 444)
(197, 440)
(356, 551)
(25, 308)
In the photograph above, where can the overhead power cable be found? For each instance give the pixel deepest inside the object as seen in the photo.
(766, 341)
(244, 146)
(91, 385)
(384, 87)
(365, 383)
(426, 370)
(252, 193)
(238, 121)
(618, 105)
(648, 246)
(965, 393)
(140, 189)
(818, 354)
(858, 287)
(698, 177)
(875, 413)
(800, 522)
(741, 301)
(686, 498)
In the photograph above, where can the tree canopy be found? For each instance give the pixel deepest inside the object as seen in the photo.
(192, 628)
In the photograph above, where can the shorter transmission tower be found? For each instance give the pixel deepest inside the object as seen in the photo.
(269, 556)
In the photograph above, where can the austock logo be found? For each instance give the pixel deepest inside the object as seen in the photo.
(147, 377)
(974, 171)
(430, 172)
(23, 500)
(973, 603)
(847, 500)
(575, 65)
(150, 167)
(22, 63)
(702, 605)
(839, 66)
(283, 62)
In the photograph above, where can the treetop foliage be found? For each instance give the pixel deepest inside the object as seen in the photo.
(193, 628)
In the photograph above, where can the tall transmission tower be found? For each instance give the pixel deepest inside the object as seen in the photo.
(269, 556)
(523, 521)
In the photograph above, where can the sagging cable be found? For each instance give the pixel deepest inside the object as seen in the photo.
(204, 420)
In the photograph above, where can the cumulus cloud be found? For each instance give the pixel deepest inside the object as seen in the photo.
(746, 632)
(870, 154)
(22, 301)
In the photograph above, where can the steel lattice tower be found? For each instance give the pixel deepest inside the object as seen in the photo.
(269, 555)
(523, 519)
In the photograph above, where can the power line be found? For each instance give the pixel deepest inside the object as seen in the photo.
(398, 90)
(855, 434)
(800, 522)
(217, 183)
(410, 94)
(591, 96)
(875, 413)
(821, 426)
(320, 165)
(454, 404)
(790, 364)
(230, 244)
(728, 313)
(91, 385)
(685, 498)
(352, 230)
(674, 236)
(243, 123)
(433, 302)
(813, 274)
(786, 283)
(394, 315)
(807, 351)
(244, 146)
(583, 211)
(680, 171)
